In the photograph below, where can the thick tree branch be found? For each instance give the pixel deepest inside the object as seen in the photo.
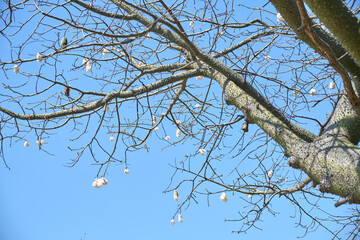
(327, 51)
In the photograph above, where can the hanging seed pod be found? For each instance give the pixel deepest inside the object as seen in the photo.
(156, 129)
(249, 196)
(16, 69)
(153, 119)
(192, 23)
(63, 42)
(176, 195)
(26, 144)
(180, 219)
(126, 171)
(112, 139)
(105, 52)
(88, 67)
(178, 133)
(222, 33)
(199, 77)
(67, 90)
(224, 197)
(313, 92)
(39, 58)
(296, 92)
(270, 173)
(202, 151)
(267, 58)
(197, 106)
(172, 222)
(167, 138)
(332, 85)
(245, 127)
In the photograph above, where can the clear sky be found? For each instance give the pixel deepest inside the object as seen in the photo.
(41, 198)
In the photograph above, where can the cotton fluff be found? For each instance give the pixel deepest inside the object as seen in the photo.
(105, 52)
(192, 23)
(99, 182)
(224, 197)
(88, 67)
(313, 92)
(112, 138)
(180, 219)
(39, 58)
(26, 144)
(167, 138)
(178, 133)
(332, 85)
(197, 106)
(126, 171)
(270, 173)
(16, 69)
(172, 222)
(202, 151)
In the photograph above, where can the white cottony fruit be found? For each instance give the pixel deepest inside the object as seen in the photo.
(126, 171)
(222, 33)
(156, 129)
(40, 142)
(99, 182)
(199, 77)
(202, 151)
(105, 52)
(192, 23)
(197, 106)
(313, 92)
(176, 195)
(172, 222)
(224, 197)
(26, 144)
(167, 138)
(153, 120)
(16, 69)
(178, 133)
(39, 58)
(88, 67)
(332, 85)
(112, 138)
(249, 196)
(270, 173)
(180, 219)
(279, 18)
(178, 122)
(267, 58)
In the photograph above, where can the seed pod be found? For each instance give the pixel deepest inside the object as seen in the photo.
(180, 219)
(267, 58)
(313, 92)
(39, 57)
(192, 23)
(197, 106)
(85, 61)
(63, 42)
(26, 144)
(202, 151)
(112, 138)
(167, 138)
(332, 85)
(245, 127)
(224, 197)
(126, 171)
(279, 18)
(88, 67)
(105, 52)
(16, 69)
(199, 77)
(67, 90)
(172, 222)
(178, 133)
(176, 195)
(270, 173)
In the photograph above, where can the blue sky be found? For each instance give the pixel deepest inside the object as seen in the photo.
(42, 198)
